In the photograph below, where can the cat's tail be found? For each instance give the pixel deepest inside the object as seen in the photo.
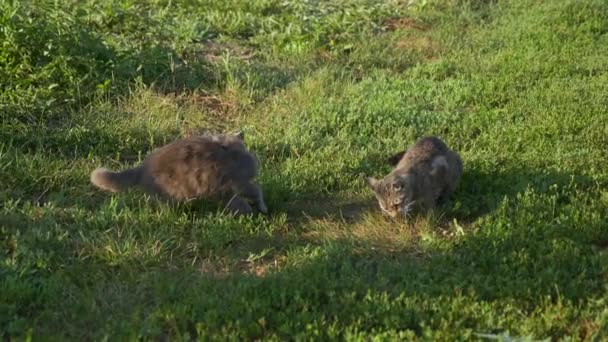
(116, 181)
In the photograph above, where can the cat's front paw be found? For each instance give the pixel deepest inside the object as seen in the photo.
(262, 208)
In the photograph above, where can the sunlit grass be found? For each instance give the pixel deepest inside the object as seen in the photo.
(325, 92)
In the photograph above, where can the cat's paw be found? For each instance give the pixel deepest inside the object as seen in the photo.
(262, 208)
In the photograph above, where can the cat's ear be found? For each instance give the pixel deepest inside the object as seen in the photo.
(372, 182)
(240, 135)
(396, 158)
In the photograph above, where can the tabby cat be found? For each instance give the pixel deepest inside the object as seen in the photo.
(424, 174)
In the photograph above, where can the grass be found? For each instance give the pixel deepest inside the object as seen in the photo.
(326, 91)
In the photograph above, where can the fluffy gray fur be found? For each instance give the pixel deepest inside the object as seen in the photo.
(206, 166)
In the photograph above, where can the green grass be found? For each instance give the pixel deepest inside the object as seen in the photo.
(326, 91)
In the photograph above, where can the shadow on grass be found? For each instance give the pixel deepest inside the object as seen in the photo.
(282, 283)
(375, 291)
(480, 192)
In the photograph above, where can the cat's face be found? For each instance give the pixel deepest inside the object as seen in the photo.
(393, 194)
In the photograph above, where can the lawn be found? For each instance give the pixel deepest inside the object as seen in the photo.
(325, 91)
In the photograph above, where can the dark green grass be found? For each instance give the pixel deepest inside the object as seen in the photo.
(325, 91)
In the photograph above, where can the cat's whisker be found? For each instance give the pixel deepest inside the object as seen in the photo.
(228, 203)
(407, 209)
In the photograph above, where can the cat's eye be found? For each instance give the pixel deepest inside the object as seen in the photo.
(397, 186)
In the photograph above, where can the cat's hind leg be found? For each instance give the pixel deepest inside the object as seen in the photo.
(427, 202)
(254, 193)
(238, 206)
(443, 197)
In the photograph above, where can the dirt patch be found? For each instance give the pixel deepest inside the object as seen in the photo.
(415, 38)
(222, 110)
(260, 268)
(219, 104)
(255, 257)
(253, 265)
(421, 44)
(213, 51)
(587, 329)
(404, 23)
(214, 269)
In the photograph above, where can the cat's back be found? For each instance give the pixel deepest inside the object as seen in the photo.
(423, 151)
(212, 150)
(200, 166)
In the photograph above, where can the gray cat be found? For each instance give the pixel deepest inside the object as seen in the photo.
(425, 173)
(205, 166)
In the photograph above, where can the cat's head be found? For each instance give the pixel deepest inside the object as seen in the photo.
(394, 194)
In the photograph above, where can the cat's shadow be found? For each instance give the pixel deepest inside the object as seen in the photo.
(481, 191)
(349, 210)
